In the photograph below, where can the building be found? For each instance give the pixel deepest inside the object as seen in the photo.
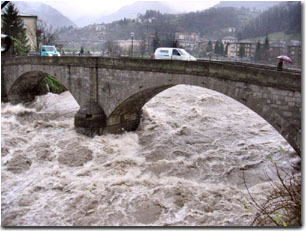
(126, 46)
(276, 48)
(188, 41)
(30, 24)
(187, 36)
(229, 39)
(249, 48)
(232, 45)
(294, 51)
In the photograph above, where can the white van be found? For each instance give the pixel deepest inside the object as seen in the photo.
(173, 54)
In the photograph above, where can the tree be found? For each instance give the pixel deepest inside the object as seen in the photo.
(82, 50)
(219, 48)
(156, 41)
(226, 48)
(112, 48)
(45, 34)
(12, 25)
(216, 50)
(241, 53)
(209, 47)
(258, 51)
(266, 48)
(175, 44)
(266, 45)
(143, 46)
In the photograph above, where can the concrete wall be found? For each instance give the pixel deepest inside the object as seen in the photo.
(120, 87)
(30, 24)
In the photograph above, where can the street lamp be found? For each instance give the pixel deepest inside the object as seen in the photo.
(132, 37)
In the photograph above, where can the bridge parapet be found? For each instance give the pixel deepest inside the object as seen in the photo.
(254, 74)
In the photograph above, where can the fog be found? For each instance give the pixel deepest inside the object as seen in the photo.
(77, 9)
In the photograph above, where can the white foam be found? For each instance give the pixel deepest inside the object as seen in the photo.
(183, 162)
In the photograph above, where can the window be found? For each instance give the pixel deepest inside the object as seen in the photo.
(175, 52)
(164, 51)
(48, 49)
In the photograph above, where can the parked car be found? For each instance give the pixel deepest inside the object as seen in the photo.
(173, 54)
(49, 51)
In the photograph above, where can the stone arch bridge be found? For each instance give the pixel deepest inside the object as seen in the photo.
(112, 91)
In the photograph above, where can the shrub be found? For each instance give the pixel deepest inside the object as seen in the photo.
(54, 85)
(282, 206)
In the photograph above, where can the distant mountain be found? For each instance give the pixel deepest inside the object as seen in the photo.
(44, 12)
(258, 5)
(131, 11)
(86, 20)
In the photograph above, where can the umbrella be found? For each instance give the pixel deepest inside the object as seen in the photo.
(284, 58)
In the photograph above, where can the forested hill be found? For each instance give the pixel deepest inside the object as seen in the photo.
(210, 23)
(213, 21)
(285, 17)
(257, 5)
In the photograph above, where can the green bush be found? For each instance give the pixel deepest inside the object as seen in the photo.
(54, 85)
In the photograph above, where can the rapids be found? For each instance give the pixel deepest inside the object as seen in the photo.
(181, 167)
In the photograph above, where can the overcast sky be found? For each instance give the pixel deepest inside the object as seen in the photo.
(77, 8)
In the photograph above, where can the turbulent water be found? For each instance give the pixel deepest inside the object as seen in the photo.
(182, 167)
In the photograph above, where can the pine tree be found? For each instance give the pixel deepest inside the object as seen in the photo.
(156, 41)
(217, 48)
(221, 48)
(209, 47)
(266, 49)
(12, 25)
(82, 50)
(266, 46)
(258, 52)
(241, 52)
(226, 49)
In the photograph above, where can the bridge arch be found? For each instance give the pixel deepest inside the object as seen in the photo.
(26, 86)
(126, 116)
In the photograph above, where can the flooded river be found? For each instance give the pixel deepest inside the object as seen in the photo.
(181, 167)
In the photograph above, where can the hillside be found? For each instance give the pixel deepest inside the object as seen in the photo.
(44, 12)
(210, 24)
(279, 36)
(285, 17)
(253, 5)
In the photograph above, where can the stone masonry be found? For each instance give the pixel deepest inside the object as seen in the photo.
(112, 91)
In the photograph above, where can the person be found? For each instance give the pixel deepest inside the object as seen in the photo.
(280, 65)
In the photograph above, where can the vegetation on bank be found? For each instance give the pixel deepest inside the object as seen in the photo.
(282, 205)
(51, 84)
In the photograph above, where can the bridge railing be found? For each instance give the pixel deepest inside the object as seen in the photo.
(260, 65)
